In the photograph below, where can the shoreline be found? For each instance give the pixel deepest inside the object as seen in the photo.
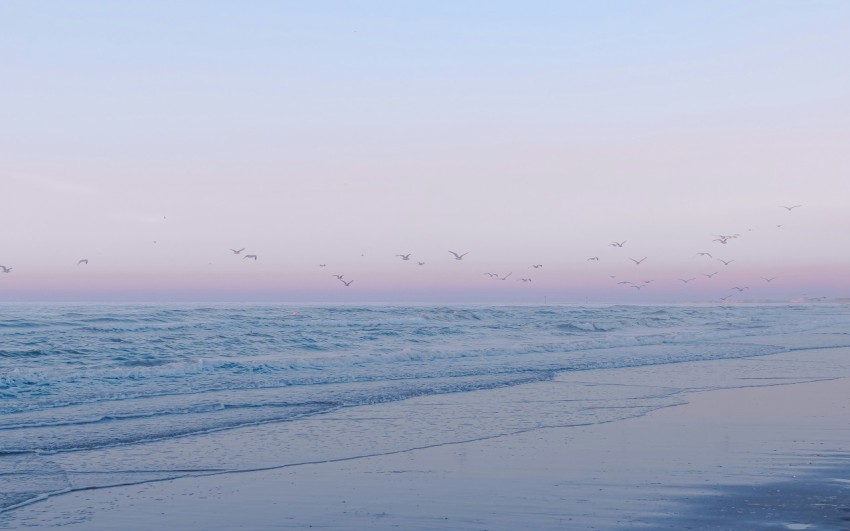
(669, 468)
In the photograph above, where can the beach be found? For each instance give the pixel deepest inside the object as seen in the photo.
(758, 443)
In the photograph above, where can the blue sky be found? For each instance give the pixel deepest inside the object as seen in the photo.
(345, 133)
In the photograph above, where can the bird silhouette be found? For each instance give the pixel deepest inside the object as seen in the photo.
(83, 261)
(766, 279)
(459, 256)
(346, 283)
(404, 256)
(617, 244)
(789, 208)
(250, 256)
(237, 251)
(686, 280)
(726, 262)
(637, 262)
(6, 269)
(740, 290)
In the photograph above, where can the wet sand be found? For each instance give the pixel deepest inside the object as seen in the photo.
(775, 456)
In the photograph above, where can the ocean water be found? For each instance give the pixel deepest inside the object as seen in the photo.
(94, 396)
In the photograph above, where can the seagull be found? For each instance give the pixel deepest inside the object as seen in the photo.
(506, 276)
(338, 277)
(523, 280)
(686, 280)
(617, 244)
(323, 265)
(722, 238)
(420, 263)
(789, 208)
(459, 256)
(648, 281)
(724, 298)
(491, 275)
(237, 251)
(740, 289)
(637, 262)
(624, 282)
(250, 256)
(637, 286)
(709, 275)
(593, 258)
(766, 279)
(6, 269)
(346, 283)
(726, 262)
(704, 254)
(537, 266)
(404, 256)
(83, 261)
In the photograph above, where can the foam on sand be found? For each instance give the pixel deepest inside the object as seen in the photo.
(762, 424)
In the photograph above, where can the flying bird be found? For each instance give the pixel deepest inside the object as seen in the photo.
(83, 261)
(234, 251)
(724, 298)
(506, 276)
(726, 262)
(624, 282)
(6, 269)
(491, 275)
(709, 275)
(617, 244)
(686, 280)
(740, 289)
(637, 262)
(420, 263)
(523, 280)
(766, 279)
(459, 256)
(250, 256)
(346, 283)
(593, 258)
(789, 208)
(723, 238)
(704, 254)
(323, 265)
(338, 277)
(637, 286)
(537, 266)
(404, 256)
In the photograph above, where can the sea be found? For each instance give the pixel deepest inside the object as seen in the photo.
(94, 396)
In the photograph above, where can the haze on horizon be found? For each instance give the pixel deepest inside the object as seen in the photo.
(151, 139)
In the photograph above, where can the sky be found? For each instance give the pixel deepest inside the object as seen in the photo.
(328, 137)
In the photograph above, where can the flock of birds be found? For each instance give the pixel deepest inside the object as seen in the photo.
(722, 239)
